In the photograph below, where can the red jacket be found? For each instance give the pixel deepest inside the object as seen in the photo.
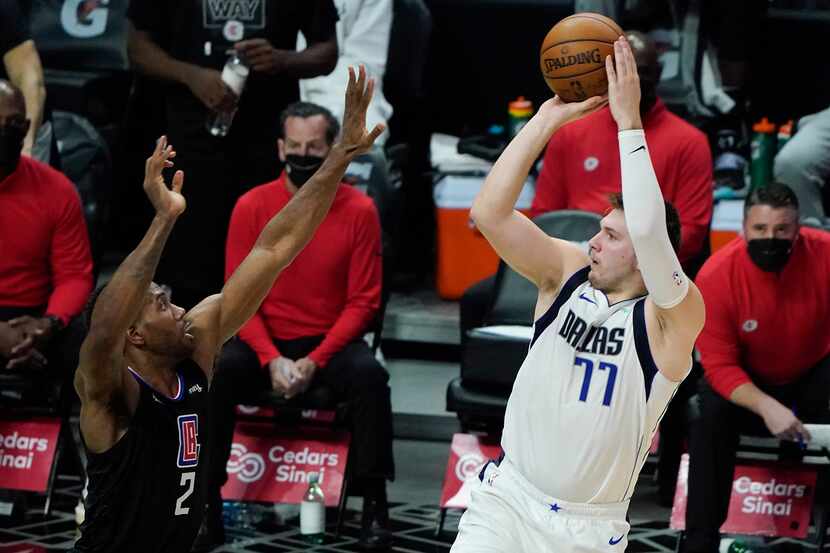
(333, 287)
(761, 327)
(582, 167)
(45, 258)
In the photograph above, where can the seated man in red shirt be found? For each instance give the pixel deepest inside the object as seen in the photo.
(309, 330)
(45, 260)
(765, 349)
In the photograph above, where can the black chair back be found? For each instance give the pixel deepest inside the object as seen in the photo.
(514, 296)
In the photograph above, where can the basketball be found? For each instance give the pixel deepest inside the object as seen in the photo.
(573, 55)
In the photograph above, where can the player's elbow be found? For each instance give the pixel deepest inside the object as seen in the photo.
(482, 214)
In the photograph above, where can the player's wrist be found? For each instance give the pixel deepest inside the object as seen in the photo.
(629, 124)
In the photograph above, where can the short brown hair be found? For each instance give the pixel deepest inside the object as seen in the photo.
(672, 219)
(775, 195)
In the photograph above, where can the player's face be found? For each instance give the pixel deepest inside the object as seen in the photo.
(612, 254)
(162, 326)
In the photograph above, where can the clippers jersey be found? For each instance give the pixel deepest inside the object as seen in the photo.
(147, 492)
(587, 399)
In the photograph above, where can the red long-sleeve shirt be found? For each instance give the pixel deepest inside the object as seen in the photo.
(44, 246)
(582, 167)
(333, 286)
(762, 327)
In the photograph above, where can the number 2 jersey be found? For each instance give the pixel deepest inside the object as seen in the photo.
(587, 399)
(147, 492)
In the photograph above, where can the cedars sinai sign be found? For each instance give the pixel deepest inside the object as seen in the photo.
(27, 451)
(768, 499)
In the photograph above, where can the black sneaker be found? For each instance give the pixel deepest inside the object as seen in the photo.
(374, 532)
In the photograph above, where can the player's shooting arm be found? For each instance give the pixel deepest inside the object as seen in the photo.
(290, 230)
(100, 370)
(677, 303)
(543, 260)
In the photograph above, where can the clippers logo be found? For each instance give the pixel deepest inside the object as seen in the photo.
(590, 163)
(188, 441)
(750, 325)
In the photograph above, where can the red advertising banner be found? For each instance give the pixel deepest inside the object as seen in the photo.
(265, 466)
(468, 453)
(767, 500)
(22, 548)
(27, 450)
(316, 415)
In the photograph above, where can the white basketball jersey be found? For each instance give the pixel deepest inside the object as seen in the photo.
(588, 398)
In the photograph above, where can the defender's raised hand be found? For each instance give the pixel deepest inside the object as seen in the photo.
(624, 86)
(168, 202)
(355, 139)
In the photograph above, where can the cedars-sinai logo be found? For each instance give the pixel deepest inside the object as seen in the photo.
(468, 466)
(247, 465)
(18, 451)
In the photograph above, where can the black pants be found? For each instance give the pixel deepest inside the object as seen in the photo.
(353, 374)
(714, 439)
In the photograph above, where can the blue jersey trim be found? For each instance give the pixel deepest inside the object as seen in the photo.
(565, 293)
(641, 343)
(179, 395)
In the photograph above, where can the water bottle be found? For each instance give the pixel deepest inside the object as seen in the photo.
(785, 132)
(763, 153)
(234, 75)
(739, 546)
(313, 512)
(519, 112)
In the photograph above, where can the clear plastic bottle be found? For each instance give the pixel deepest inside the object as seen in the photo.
(313, 512)
(235, 74)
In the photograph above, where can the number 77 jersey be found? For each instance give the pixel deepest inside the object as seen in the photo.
(587, 399)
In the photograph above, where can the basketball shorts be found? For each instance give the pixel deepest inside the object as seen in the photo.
(509, 515)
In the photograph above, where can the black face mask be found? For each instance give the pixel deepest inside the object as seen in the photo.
(301, 168)
(11, 144)
(770, 254)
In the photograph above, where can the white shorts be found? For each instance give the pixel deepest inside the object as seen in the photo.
(509, 515)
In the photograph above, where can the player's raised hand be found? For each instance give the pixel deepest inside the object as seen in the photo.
(564, 112)
(168, 201)
(624, 86)
(355, 138)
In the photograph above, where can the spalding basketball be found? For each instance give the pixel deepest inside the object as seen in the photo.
(573, 55)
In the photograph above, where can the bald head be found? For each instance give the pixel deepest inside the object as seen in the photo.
(11, 100)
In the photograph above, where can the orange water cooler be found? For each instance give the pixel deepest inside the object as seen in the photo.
(464, 255)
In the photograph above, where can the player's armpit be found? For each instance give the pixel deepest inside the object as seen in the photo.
(204, 325)
(672, 332)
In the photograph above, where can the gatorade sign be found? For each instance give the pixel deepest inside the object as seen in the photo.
(270, 467)
(467, 455)
(27, 451)
(767, 499)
